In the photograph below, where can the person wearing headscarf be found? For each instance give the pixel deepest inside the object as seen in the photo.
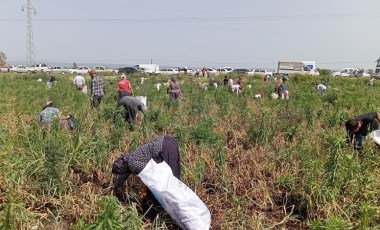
(163, 148)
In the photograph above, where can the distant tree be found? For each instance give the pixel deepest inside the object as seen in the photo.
(324, 71)
(370, 71)
(75, 65)
(3, 59)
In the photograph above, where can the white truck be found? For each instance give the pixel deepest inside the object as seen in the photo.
(148, 68)
(39, 68)
(295, 67)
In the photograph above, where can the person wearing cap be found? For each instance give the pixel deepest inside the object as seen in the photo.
(132, 106)
(124, 87)
(97, 89)
(49, 113)
(360, 126)
(163, 148)
(174, 90)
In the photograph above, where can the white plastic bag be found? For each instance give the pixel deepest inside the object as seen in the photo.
(142, 99)
(84, 89)
(375, 136)
(182, 204)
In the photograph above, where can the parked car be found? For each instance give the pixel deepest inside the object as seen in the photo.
(101, 69)
(261, 72)
(6, 68)
(39, 67)
(79, 70)
(169, 71)
(186, 70)
(22, 69)
(240, 71)
(128, 70)
(56, 69)
(351, 72)
(225, 70)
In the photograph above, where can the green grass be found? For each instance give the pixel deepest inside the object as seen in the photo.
(255, 163)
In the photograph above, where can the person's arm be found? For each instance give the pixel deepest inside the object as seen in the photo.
(120, 181)
(350, 135)
(378, 117)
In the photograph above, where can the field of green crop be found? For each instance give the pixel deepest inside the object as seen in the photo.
(257, 164)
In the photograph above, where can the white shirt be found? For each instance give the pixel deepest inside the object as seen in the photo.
(79, 80)
(321, 87)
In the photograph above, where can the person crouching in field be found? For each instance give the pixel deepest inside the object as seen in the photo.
(164, 148)
(322, 89)
(79, 82)
(132, 106)
(49, 113)
(360, 126)
(124, 87)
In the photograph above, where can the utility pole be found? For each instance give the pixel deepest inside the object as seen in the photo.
(30, 56)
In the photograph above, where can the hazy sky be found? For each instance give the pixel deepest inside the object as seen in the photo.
(213, 33)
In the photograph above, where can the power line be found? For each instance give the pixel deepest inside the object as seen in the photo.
(30, 55)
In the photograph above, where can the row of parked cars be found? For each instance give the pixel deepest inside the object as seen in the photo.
(155, 69)
(53, 69)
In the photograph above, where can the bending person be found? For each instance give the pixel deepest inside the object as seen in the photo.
(360, 127)
(164, 148)
(132, 106)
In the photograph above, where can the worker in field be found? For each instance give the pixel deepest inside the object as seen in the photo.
(284, 91)
(132, 106)
(321, 88)
(358, 127)
(174, 89)
(97, 89)
(163, 148)
(49, 113)
(124, 87)
(225, 81)
(239, 82)
(79, 82)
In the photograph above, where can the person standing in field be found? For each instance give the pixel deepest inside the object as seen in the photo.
(132, 106)
(360, 126)
(97, 89)
(164, 148)
(124, 87)
(240, 83)
(225, 81)
(79, 82)
(174, 89)
(284, 91)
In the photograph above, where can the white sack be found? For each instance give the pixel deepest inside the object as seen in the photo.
(142, 99)
(182, 204)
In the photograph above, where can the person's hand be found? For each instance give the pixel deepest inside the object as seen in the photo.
(107, 190)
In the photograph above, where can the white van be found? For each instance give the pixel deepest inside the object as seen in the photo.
(148, 68)
(295, 67)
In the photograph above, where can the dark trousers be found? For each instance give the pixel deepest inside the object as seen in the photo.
(174, 96)
(96, 101)
(170, 154)
(123, 94)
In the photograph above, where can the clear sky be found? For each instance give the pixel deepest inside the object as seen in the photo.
(212, 33)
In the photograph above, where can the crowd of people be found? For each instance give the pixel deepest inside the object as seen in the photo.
(165, 148)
